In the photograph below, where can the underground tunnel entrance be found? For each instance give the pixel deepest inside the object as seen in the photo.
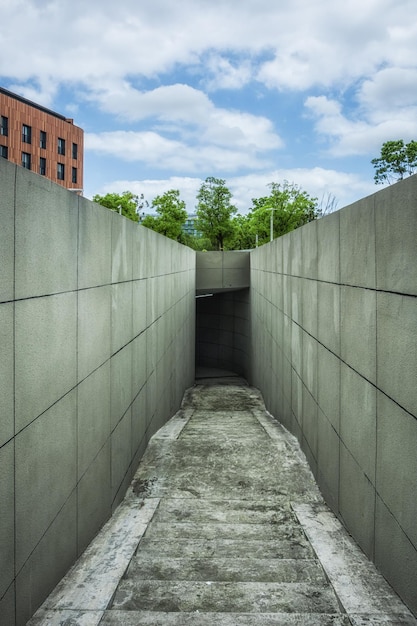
(223, 335)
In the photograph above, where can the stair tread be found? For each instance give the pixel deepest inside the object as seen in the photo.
(248, 597)
(224, 511)
(232, 548)
(209, 530)
(223, 569)
(194, 618)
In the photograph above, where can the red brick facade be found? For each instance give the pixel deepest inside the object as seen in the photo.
(41, 140)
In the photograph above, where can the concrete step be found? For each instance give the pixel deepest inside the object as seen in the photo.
(204, 398)
(224, 423)
(226, 548)
(226, 570)
(242, 597)
(198, 618)
(278, 511)
(194, 530)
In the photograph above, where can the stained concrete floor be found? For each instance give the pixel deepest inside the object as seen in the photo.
(223, 525)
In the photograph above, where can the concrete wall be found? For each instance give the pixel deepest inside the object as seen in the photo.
(223, 331)
(334, 351)
(97, 329)
(222, 271)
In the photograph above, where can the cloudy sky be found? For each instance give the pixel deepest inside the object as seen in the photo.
(251, 91)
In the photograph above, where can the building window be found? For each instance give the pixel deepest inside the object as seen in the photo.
(61, 146)
(75, 151)
(26, 134)
(61, 171)
(42, 166)
(4, 152)
(26, 160)
(4, 125)
(74, 174)
(42, 141)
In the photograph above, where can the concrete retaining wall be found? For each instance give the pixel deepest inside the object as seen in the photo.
(97, 333)
(222, 271)
(334, 351)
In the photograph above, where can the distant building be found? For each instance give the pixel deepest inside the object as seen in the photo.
(189, 226)
(41, 140)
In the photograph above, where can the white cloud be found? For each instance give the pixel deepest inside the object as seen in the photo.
(390, 94)
(151, 188)
(317, 182)
(227, 74)
(308, 43)
(177, 102)
(396, 118)
(193, 113)
(186, 131)
(139, 74)
(168, 154)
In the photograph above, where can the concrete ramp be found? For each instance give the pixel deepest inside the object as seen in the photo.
(223, 525)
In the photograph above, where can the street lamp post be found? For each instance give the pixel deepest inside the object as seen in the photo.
(271, 223)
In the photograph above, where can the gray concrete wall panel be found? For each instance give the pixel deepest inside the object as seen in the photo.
(44, 450)
(94, 245)
(45, 353)
(396, 227)
(217, 271)
(93, 425)
(121, 315)
(328, 456)
(45, 247)
(120, 453)
(91, 512)
(6, 372)
(328, 385)
(357, 244)
(348, 365)
(94, 328)
(358, 419)
(48, 562)
(397, 463)
(357, 501)
(328, 248)
(328, 315)
(7, 535)
(7, 213)
(96, 310)
(358, 330)
(309, 251)
(395, 554)
(396, 344)
(8, 606)
(121, 246)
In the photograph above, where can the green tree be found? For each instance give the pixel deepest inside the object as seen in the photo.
(171, 215)
(398, 159)
(243, 237)
(126, 203)
(287, 208)
(200, 244)
(214, 212)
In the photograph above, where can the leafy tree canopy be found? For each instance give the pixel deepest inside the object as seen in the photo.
(214, 212)
(287, 207)
(171, 215)
(398, 159)
(126, 203)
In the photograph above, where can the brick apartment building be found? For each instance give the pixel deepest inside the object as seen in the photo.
(41, 140)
